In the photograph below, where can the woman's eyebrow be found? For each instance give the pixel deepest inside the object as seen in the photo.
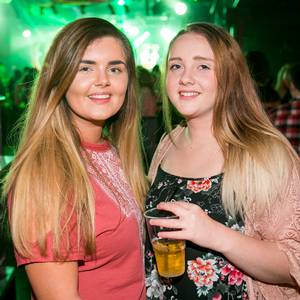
(198, 57)
(92, 62)
(88, 62)
(175, 58)
(117, 62)
(202, 58)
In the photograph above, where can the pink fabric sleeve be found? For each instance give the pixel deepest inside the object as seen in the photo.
(75, 252)
(281, 226)
(289, 235)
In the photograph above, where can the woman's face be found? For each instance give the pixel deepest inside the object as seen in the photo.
(99, 87)
(191, 79)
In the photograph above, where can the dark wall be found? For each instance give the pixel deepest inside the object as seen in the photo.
(272, 26)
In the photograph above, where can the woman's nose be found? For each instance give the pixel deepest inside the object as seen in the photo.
(102, 79)
(187, 77)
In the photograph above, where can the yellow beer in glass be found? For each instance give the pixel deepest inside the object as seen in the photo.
(169, 253)
(170, 257)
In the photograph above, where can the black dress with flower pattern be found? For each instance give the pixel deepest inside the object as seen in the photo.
(208, 274)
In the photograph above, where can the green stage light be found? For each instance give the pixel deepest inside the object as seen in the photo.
(26, 33)
(149, 55)
(130, 29)
(180, 8)
(121, 2)
(167, 34)
(235, 3)
(138, 41)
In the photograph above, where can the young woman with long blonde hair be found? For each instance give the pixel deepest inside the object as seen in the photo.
(228, 174)
(76, 184)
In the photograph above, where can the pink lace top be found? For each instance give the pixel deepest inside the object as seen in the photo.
(281, 226)
(116, 269)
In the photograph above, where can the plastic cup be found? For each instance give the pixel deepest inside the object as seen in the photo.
(169, 253)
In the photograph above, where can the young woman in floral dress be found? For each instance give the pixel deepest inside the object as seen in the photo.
(228, 174)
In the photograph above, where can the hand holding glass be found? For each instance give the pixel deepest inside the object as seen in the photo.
(169, 253)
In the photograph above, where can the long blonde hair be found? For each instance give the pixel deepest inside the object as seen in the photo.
(49, 169)
(258, 158)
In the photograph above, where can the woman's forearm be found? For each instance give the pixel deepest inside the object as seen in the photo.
(260, 259)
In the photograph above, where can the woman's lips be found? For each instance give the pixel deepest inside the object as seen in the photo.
(188, 94)
(100, 97)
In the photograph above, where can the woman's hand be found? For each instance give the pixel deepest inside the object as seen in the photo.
(193, 224)
(247, 253)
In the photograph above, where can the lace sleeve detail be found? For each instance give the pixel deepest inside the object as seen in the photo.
(282, 227)
(289, 236)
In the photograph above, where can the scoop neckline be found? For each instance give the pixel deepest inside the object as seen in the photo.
(190, 178)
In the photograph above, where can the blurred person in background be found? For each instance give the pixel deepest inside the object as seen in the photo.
(282, 83)
(259, 66)
(286, 117)
(148, 102)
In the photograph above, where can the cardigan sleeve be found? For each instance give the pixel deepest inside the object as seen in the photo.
(289, 234)
(282, 226)
(163, 146)
(157, 157)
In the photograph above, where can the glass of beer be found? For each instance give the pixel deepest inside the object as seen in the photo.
(169, 253)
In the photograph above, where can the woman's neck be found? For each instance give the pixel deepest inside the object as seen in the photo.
(93, 136)
(198, 132)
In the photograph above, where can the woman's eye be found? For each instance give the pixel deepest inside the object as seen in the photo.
(204, 67)
(174, 67)
(115, 70)
(84, 69)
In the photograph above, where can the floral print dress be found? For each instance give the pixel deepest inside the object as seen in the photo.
(208, 274)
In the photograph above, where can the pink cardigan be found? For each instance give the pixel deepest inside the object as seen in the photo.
(282, 227)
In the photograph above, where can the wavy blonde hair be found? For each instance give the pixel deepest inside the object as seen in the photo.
(258, 158)
(49, 162)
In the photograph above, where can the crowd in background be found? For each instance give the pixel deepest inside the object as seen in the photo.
(14, 94)
(280, 96)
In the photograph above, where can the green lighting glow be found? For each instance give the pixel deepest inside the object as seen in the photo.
(149, 34)
(149, 55)
(121, 2)
(180, 8)
(235, 3)
(138, 41)
(26, 33)
(167, 34)
(130, 29)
